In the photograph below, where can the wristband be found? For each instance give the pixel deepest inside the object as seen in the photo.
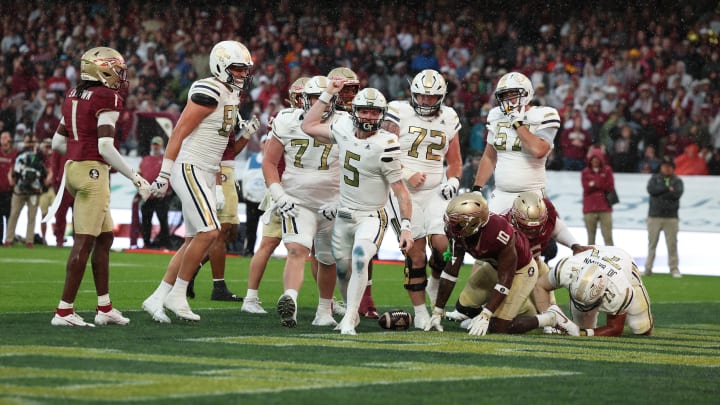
(518, 124)
(325, 97)
(502, 289)
(477, 188)
(487, 313)
(166, 167)
(448, 277)
(404, 224)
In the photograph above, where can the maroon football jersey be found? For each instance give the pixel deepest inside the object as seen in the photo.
(487, 243)
(81, 119)
(539, 243)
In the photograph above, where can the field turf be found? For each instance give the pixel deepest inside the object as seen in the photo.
(234, 357)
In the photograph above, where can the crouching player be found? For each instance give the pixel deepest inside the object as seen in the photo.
(604, 279)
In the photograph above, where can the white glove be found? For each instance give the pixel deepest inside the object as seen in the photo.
(517, 115)
(159, 186)
(143, 187)
(249, 128)
(286, 206)
(329, 210)
(219, 197)
(450, 189)
(479, 325)
(435, 320)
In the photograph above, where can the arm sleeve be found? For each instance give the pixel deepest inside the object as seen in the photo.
(107, 150)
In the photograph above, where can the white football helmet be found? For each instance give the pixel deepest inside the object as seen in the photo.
(313, 88)
(349, 90)
(231, 53)
(529, 213)
(428, 82)
(368, 98)
(295, 92)
(104, 65)
(588, 288)
(513, 91)
(465, 214)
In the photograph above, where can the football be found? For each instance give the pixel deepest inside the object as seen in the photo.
(395, 319)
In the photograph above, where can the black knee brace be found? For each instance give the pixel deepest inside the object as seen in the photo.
(410, 273)
(437, 262)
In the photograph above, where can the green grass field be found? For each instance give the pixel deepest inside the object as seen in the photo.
(234, 357)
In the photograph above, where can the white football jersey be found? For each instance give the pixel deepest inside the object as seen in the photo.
(312, 170)
(424, 141)
(516, 170)
(619, 267)
(204, 147)
(368, 166)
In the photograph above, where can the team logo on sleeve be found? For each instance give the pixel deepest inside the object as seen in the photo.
(223, 178)
(531, 271)
(94, 174)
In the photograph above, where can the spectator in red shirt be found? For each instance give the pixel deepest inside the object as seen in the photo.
(7, 157)
(48, 122)
(597, 179)
(575, 142)
(690, 162)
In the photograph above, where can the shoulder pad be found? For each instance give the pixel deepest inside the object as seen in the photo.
(495, 115)
(543, 117)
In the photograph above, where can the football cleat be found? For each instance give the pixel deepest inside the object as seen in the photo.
(180, 307)
(367, 308)
(348, 324)
(224, 295)
(549, 330)
(325, 319)
(112, 316)
(69, 320)
(456, 316)
(563, 323)
(252, 305)
(153, 306)
(287, 309)
(338, 307)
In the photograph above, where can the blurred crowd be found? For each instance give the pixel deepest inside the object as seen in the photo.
(638, 82)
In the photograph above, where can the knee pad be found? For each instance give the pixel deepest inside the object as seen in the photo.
(470, 312)
(410, 273)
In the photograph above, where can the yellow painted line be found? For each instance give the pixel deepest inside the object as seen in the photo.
(228, 376)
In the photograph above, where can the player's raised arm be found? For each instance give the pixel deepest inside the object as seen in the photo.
(313, 124)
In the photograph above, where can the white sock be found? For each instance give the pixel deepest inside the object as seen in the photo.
(180, 286)
(218, 279)
(420, 310)
(292, 293)
(324, 305)
(250, 294)
(65, 305)
(546, 319)
(103, 300)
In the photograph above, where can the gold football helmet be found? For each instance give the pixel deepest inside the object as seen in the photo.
(368, 98)
(104, 65)
(431, 83)
(513, 91)
(349, 90)
(529, 213)
(295, 92)
(227, 55)
(465, 214)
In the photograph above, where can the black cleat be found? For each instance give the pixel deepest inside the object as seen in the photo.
(224, 295)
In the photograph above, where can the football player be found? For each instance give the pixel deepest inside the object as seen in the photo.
(537, 218)
(86, 135)
(343, 106)
(428, 133)
(227, 202)
(603, 279)
(305, 198)
(506, 285)
(521, 137)
(191, 162)
(370, 159)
